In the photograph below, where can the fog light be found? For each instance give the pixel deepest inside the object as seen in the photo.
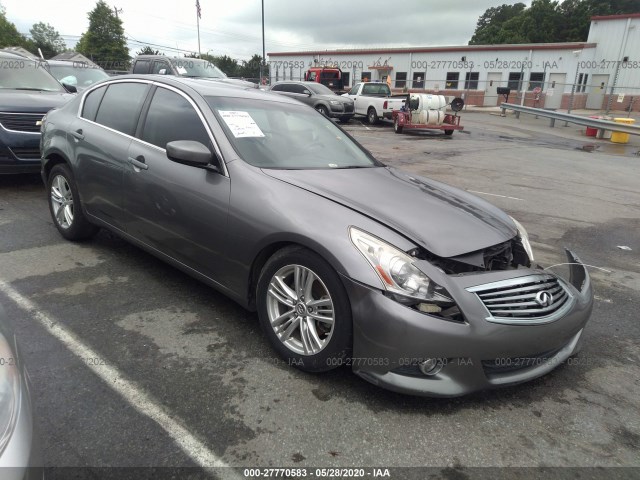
(431, 366)
(429, 308)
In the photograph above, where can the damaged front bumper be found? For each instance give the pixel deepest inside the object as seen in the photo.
(494, 346)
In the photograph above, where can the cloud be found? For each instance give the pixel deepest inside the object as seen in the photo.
(234, 28)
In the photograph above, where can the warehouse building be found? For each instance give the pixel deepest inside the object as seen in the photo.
(550, 75)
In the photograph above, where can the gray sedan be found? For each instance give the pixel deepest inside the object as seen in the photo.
(319, 97)
(417, 286)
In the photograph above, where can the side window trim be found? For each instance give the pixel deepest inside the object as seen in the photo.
(145, 110)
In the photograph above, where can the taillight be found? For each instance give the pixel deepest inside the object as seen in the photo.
(385, 104)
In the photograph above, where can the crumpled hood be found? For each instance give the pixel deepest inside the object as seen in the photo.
(445, 220)
(21, 101)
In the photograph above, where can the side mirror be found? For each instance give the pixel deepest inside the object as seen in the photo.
(162, 71)
(190, 153)
(70, 88)
(307, 93)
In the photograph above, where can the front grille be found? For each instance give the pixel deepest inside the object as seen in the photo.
(348, 107)
(22, 122)
(524, 300)
(26, 153)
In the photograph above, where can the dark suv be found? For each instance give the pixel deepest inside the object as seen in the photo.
(27, 93)
(183, 67)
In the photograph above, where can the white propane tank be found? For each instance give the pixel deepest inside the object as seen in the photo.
(431, 117)
(427, 101)
(434, 102)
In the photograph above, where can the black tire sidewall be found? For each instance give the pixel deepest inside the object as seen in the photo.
(373, 119)
(340, 344)
(80, 228)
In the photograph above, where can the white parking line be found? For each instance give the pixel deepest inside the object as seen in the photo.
(134, 395)
(495, 195)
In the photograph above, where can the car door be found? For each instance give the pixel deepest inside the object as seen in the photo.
(101, 136)
(176, 209)
(359, 106)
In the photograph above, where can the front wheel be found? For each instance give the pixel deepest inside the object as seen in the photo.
(304, 310)
(321, 109)
(64, 205)
(397, 127)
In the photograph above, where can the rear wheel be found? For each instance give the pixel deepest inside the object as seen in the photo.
(64, 205)
(304, 310)
(448, 132)
(397, 127)
(372, 116)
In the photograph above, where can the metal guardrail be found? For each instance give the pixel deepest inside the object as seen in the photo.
(567, 117)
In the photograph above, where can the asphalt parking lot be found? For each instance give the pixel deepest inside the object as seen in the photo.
(135, 364)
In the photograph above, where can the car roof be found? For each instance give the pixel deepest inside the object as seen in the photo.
(72, 63)
(300, 82)
(169, 57)
(206, 87)
(15, 55)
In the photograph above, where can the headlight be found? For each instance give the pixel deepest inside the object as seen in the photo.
(395, 268)
(524, 238)
(334, 102)
(9, 392)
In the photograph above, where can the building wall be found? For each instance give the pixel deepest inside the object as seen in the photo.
(571, 67)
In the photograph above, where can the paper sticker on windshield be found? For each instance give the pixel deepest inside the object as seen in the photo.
(181, 70)
(241, 124)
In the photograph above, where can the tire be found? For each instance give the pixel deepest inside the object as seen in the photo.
(397, 127)
(344, 119)
(64, 205)
(448, 132)
(324, 344)
(372, 116)
(322, 110)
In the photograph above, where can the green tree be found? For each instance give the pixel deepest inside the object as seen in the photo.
(251, 68)
(47, 39)
(228, 65)
(490, 23)
(9, 35)
(104, 42)
(148, 51)
(545, 21)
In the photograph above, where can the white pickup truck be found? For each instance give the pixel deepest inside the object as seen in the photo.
(374, 100)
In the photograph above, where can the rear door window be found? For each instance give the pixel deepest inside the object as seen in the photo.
(92, 102)
(121, 105)
(141, 66)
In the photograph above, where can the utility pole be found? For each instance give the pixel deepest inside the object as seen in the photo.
(117, 10)
(262, 63)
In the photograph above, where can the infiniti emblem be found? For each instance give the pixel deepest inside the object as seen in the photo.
(544, 298)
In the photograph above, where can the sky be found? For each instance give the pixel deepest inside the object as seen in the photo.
(233, 27)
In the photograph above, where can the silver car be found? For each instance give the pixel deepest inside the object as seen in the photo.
(319, 97)
(20, 456)
(419, 287)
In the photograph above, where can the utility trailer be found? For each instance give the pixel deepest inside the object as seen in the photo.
(425, 112)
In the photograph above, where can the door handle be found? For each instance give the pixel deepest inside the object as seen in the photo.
(138, 163)
(78, 134)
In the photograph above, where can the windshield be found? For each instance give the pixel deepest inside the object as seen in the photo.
(278, 135)
(25, 74)
(320, 89)
(193, 67)
(77, 74)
